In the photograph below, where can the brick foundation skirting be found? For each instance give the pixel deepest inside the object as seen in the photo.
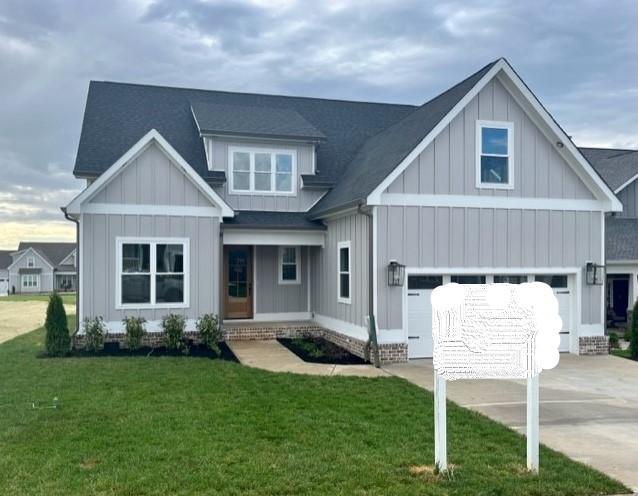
(388, 352)
(593, 345)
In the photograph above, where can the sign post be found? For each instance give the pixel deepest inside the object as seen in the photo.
(493, 331)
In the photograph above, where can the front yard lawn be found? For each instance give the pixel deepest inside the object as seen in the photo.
(67, 298)
(183, 425)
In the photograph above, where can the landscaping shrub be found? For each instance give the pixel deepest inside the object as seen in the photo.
(614, 340)
(173, 326)
(633, 333)
(135, 331)
(94, 333)
(57, 341)
(210, 331)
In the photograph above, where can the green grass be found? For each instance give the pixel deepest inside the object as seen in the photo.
(182, 426)
(620, 353)
(67, 298)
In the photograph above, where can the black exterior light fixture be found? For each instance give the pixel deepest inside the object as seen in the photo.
(396, 273)
(594, 274)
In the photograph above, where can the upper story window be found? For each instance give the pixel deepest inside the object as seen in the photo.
(494, 155)
(263, 171)
(30, 262)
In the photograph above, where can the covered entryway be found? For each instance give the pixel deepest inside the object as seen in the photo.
(238, 282)
(617, 299)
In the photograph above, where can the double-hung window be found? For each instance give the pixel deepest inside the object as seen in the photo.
(344, 264)
(263, 171)
(494, 155)
(152, 273)
(30, 262)
(30, 281)
(289, 265)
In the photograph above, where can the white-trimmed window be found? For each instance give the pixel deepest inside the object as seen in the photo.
(344, 264)
(262, 170)
(30, 281)
(494, 154)
(30, 262)
(152, 272)
(289, 270)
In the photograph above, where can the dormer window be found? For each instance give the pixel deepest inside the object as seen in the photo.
(494, 155)
(262, 171)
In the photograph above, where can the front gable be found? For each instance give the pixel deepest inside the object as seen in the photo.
(547, 166)
(21, 261)
(150, 175)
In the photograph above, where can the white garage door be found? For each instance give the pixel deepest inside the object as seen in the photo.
(4, 286)
(420, 315)
(560, 285)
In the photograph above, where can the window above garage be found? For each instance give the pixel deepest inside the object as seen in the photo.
(494, 155)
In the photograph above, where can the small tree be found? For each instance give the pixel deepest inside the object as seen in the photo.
(210, 331)
(135, 331)
(57, 339)
(173, 326)
(633, 333)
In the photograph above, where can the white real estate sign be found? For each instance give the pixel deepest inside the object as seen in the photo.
(493, 331)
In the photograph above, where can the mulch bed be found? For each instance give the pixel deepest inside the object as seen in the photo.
(320, 350)
(195, 350)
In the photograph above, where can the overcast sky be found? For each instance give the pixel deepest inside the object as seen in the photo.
(579, 57)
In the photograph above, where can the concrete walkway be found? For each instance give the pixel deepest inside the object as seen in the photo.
(272, 356)
(588, 410)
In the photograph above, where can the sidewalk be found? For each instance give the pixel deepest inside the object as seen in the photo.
(274, 357)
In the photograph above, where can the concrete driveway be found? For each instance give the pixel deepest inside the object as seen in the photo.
(20, 317)
(588, 410)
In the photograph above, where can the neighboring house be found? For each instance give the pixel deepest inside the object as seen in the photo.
(619, 168)
(5, 261)
(304, 212)
(43, 267)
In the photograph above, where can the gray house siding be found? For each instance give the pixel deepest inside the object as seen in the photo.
(442, 237)
(151, 179)
(301, 201)
(272, 297)
(46, 274)
(98, 272)
(353, 228)
(629, 198)
(448, 165)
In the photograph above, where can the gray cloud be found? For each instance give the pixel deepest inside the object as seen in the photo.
(579, 57)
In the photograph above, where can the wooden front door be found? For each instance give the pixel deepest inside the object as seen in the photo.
(238, 282)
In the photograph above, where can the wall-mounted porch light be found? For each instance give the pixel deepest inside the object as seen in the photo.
(594, 274)
(396, 273)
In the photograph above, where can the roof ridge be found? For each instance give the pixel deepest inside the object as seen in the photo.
(228, 92)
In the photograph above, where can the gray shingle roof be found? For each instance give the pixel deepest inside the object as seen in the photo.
(240, 120)
(52, 252)
(5, 258)
(117, 115)
(253, 219)
(621, 238)
(616, 166)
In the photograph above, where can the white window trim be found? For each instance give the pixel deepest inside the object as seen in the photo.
(251, 169)
(31, 277)
(280, 266)
(30, 262)
(480, 124)
(119, 241)
(340, 245)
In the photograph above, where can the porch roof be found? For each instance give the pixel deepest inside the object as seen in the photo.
(254, 219)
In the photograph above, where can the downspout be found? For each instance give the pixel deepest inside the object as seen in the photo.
(372, 325)
(77, 267)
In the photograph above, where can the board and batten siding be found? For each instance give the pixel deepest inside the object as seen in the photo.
(353, 228)
(151, 179)
(272, 297)
(98, 272)
(301, 201)
(629, 199)
(442, 237)
(448, 165)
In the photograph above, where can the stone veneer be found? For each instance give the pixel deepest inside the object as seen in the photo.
(388, 352)
(593, 345)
